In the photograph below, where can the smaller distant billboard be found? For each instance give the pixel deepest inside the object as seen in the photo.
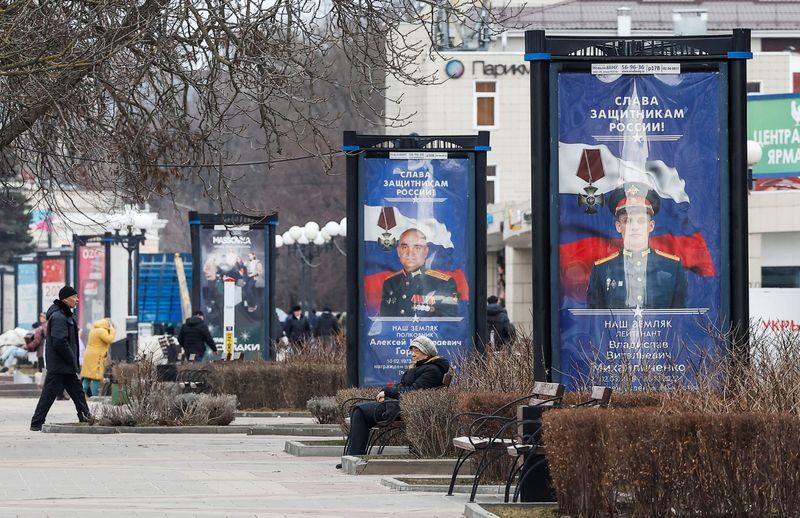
(774, 122)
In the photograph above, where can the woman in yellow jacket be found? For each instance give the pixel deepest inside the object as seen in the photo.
(94, 360)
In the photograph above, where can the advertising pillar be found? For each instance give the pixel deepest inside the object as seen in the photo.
(418, 269)
(643, 207)
(232, 283)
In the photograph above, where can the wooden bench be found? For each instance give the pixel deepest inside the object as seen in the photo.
(478, 439)
(527, 444)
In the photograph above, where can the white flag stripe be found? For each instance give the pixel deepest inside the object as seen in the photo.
(659, 176)
(435, 231)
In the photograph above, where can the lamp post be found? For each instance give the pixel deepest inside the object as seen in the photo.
(135, 224)
(754, 153)
(308, 243)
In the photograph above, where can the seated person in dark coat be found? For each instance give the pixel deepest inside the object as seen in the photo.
(637, 276)
(416, 290)
(426, 372)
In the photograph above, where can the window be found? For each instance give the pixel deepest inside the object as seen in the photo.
(491, 183)
(485, 105)
(780, 277)
(753, 87)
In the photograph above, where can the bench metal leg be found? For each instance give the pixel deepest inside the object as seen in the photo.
(482, 467)
(515, 469)
(526, 472)
(459, 462)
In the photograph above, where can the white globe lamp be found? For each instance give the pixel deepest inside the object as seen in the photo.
(311, 230)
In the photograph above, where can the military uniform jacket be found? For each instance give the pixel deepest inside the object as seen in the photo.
(666, 282)
(422, 293)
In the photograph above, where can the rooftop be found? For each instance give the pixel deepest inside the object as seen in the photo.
(656, 15)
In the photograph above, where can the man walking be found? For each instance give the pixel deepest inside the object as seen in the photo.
(61, 355)
(195, 336)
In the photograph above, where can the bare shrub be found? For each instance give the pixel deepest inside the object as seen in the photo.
(507, 369)
(643, 463)
(324, 409)
(151, 402)
(427, 415)
(331, 351)
(300, 382)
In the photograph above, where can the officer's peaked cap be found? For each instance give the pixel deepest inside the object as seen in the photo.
(633, 195)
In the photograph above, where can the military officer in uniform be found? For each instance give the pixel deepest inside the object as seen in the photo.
(416, 290)
(637, 276)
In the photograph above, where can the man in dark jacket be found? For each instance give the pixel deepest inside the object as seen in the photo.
(500, 328)
(194, 336)
(61, 355)
(296, 328)
(327, 327)
(427, 371)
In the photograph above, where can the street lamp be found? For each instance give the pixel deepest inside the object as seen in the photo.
(754, 153)
(135, 225)
(308, 243)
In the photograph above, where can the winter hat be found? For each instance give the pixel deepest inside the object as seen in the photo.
(66, 292)
(424, 344)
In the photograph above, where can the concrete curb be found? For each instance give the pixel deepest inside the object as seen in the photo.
(360, 466)
(292, 414)
(484, 510)
(72, 428)
(473, 510)
(308, 430)
(309, 449)
(399, 485)
(301, 430)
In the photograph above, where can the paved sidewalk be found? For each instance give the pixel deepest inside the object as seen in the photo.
(72, 475)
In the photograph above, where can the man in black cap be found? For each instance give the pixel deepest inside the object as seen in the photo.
(61, 356)
(296, 327)
(637, 276)
(416, 290)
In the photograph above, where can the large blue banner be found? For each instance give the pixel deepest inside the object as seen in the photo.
(640, 235)
(416, 259)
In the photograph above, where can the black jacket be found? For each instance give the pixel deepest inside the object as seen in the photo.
(327, 325)
(194, 336)
(424, 374)
(497, 318)
(61, 350)
(297, 329)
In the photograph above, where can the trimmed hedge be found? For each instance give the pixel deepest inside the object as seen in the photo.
(261, 384)
(641, 463)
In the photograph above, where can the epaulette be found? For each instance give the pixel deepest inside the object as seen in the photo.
(395, 274)
(668, 256)
(438, 275)
(606, 259)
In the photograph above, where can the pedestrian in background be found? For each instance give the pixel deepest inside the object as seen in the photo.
(297, 328)
(327, 328)
(94, 360)
(501, 330)
(61, 354)
(194, 337)
(39, 334)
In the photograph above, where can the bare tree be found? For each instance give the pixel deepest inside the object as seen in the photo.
(131, 95)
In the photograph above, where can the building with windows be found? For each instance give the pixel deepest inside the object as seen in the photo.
(484, 85)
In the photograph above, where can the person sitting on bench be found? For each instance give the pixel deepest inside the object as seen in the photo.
(427, 371)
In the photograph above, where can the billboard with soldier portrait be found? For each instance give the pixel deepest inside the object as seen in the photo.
(640, 243)
(416, 258)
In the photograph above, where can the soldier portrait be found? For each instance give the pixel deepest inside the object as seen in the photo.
(417, 291)
(637, 276)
